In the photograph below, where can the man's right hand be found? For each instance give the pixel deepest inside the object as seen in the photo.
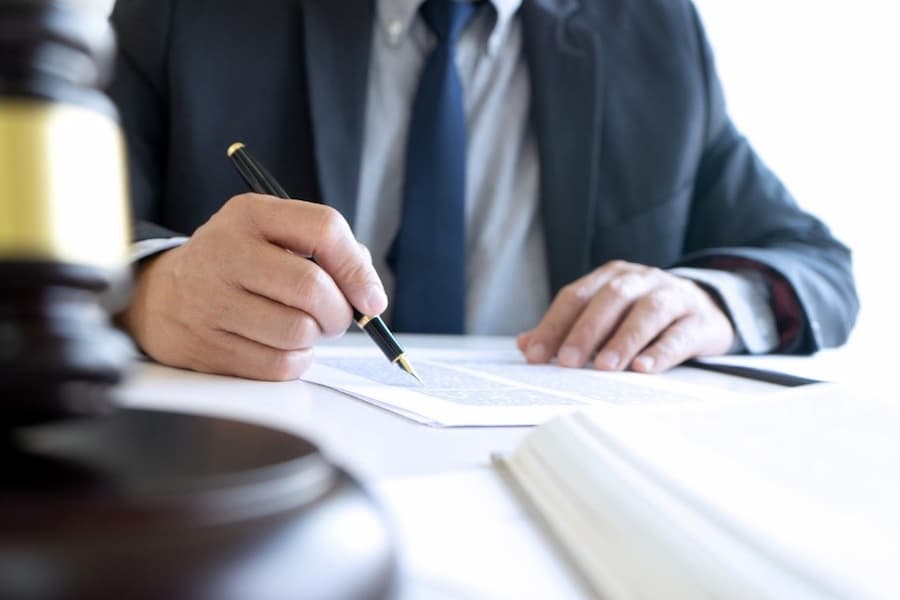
(240, 298)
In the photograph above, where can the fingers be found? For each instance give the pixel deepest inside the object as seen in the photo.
(174, 315)
(649, 316)
(706, 331)
(629, 316)
(264, 321)
(240, 298)
(672, 348)
(676, 322)
(318, 231)
(545, 340)
(295, 282)
(523, 340)
(229, 354)
(615, 309)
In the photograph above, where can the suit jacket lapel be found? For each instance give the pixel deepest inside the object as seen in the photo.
(338, 40)
(565, 62)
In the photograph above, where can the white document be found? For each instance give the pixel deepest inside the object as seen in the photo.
(496, 388)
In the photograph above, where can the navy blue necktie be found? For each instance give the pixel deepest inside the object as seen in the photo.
(429, 254)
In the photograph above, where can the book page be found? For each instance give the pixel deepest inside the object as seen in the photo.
(810, 474)
(794, 495)
(464, 388)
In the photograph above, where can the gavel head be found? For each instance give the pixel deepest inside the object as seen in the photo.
(63, 213)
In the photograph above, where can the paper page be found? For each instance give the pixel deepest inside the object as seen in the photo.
(806, 478)
(618, 527)
(465, 388)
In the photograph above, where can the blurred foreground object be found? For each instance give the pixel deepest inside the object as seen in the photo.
(103, 503)
(151, 505)
(63, 213)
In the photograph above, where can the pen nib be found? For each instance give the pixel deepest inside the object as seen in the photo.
(403, 363)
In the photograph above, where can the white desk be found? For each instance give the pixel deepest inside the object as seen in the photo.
(462, 534)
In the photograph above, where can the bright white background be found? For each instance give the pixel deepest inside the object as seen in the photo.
(815, 86)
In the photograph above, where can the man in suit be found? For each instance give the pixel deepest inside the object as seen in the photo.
(591, 189)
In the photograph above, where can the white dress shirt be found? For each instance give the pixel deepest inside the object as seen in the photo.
(505, 254)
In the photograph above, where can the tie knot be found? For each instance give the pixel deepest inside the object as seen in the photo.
(448, 18)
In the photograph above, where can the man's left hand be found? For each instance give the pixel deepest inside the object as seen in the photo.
(626, 315)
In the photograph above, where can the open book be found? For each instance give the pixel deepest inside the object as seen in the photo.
(794, 495)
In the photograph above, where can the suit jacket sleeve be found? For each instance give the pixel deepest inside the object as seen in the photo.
(138, 91)
(743, 216)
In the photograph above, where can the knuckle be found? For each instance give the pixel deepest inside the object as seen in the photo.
(673, 345)
(548, 329)
(242, 203)
(284, 365)
(358, 274)
(624, 286)
(658, 301)
(332, 225)
(307, 285)
(633, 339)
(300, 332)
(339, 324)
(241, 210)
(652, 271)
(574, 292)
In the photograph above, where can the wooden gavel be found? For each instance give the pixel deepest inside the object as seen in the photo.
(63, 213)
(97, 502)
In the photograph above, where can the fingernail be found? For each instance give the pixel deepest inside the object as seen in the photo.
(570, 356)
(536, 353)
(376, 301)
(608, 359)
(644, 363)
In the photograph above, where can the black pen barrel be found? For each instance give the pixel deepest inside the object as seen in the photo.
(380, 334)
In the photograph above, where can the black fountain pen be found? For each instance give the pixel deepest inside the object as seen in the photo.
(262, 182)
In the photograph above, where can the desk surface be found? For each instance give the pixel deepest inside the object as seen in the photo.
(374, 443)
(436, 483)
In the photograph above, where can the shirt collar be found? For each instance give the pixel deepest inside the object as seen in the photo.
(396, 17)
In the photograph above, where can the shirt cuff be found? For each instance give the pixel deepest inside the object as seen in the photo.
(745, 295)
(147, 248)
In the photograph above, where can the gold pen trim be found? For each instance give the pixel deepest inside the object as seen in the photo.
(234, 148)
(403, 363)
(364, 320)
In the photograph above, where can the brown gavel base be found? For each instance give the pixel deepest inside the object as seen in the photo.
(146, 504)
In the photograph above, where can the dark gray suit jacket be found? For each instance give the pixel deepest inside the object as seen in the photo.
(639, 160)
